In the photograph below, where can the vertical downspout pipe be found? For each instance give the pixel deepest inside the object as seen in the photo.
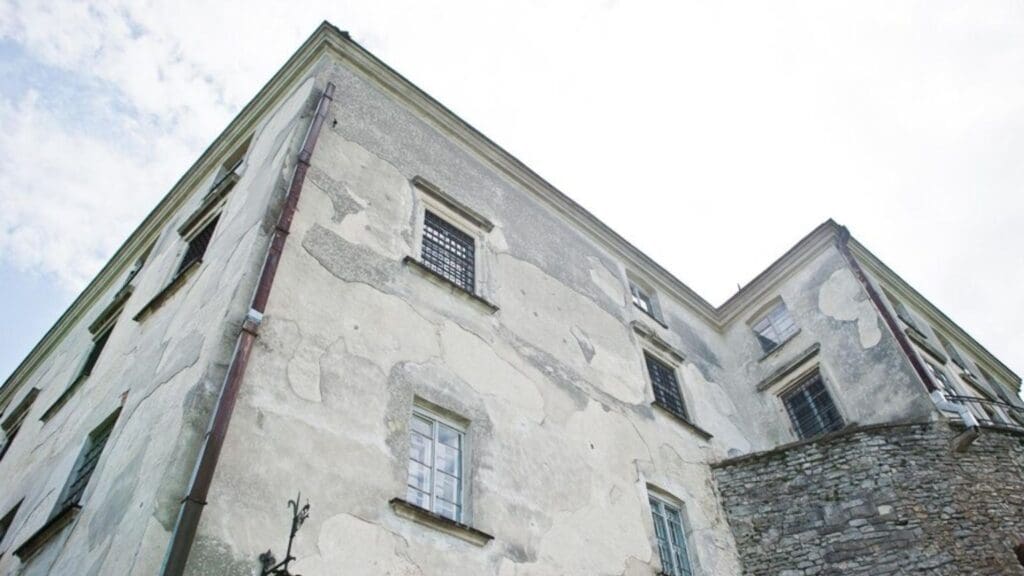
(202, 476)
(937, 396)
(890, 321)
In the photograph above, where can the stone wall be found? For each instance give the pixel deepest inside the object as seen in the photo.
(879, 500)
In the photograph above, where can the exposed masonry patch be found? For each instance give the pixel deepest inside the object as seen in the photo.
(841, 298)
(348, 261)
(343, 202)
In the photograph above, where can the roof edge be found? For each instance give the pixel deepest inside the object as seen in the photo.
(935, 316)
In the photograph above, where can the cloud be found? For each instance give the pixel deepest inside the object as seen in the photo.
(712, 135)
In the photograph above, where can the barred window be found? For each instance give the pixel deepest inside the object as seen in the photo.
(86, 465)
(197, 245)
(435, 466)
(666, 388)
(668, 529)
(775, 328)
(811, 408)
(448, 251)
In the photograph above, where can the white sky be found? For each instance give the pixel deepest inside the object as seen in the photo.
(713, 135)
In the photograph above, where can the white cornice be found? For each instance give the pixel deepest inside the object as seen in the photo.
(329, 40)
(810, 246)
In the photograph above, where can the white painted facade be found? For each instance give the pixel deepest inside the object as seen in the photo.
(541, 366)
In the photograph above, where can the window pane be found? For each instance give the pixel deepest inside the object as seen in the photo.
(423, 426)
(418, 498)
(446, 509)
(446, 487)
(419, 476)
(448, 436)
(419, 448)
(448, 460)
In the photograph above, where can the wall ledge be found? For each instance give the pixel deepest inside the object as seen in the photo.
(425, 517)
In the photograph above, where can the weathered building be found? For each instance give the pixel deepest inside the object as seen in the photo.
(354, 294)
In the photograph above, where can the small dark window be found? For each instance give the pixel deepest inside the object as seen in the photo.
(12, 425)
(666, 388)
(86, 465)
(94, 354)
(811, 408)
(90, 362)
(775, 328)
(7, 520)
(643, 300)
(197, 246)
(448, 251)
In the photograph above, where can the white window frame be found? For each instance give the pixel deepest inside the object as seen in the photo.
(663, 501)
(765, 315)
(634, 283)
(437, 418)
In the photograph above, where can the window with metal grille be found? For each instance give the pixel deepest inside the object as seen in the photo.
(775, 328)
(448, 251)
(666, 388)
(86, 465)
(668, 529)
(197, 245)
(811, 408)
(435, 466)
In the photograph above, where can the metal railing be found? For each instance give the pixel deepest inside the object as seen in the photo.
(993, 413)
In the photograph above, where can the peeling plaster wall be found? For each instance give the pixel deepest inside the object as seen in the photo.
(870, 378)
(163, 371)
(563, 438)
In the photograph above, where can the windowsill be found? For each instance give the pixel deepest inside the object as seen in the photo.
(788, 368)
(771, 352)
(112, 310)
(425, 517)
(457, 290)
(168, 291)
(684, 421)
(651, 316)
(48, 531)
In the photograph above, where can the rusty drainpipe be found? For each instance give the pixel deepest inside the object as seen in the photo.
(192, 505)
(842, 243)
(938, 397)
